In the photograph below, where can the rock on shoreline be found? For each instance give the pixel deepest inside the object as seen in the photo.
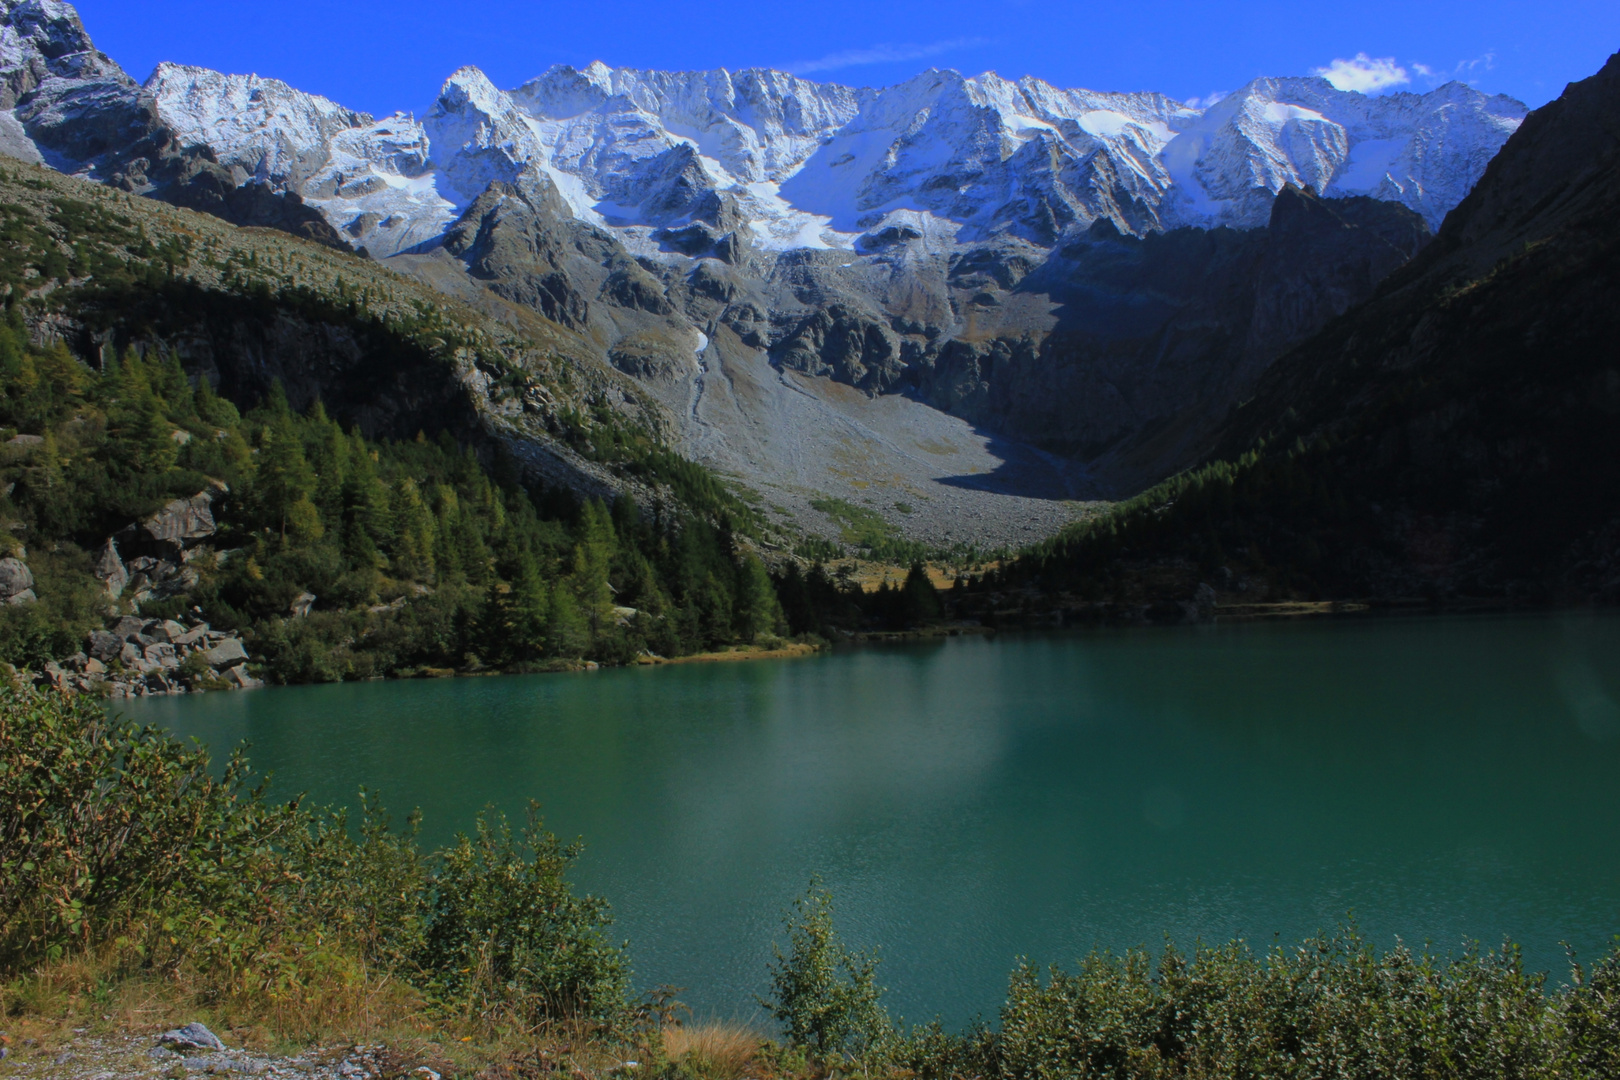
(137, 657)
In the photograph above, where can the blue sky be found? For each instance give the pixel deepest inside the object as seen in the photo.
(382, 55)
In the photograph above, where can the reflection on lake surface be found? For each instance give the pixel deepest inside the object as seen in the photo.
(973, 801)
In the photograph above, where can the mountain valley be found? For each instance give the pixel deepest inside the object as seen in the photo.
(990, 302)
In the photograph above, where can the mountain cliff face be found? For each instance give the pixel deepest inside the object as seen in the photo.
(69, 106)
(1019, 271)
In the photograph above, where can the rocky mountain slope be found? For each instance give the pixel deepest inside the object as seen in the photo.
(102, 271)
(978, 298)
(304, 460)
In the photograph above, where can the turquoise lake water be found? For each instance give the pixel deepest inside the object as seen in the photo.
(973, 801)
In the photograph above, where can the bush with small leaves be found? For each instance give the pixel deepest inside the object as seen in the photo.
(825, 997)
(508, 934)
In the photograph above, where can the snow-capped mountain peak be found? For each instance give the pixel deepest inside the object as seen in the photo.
(274, 133)
(791, 162)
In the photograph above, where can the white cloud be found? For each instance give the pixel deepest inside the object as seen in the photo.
(881, 54)
(1465, 70)
(1364, 74)
(1206, 101)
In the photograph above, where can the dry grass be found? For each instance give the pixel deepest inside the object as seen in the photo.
(99, 989)
(95, 995)
(714, 1049)
(61, 1004)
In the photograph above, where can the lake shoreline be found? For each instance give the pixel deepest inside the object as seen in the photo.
(1091, 615)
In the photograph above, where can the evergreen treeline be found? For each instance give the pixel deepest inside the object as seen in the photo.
(419, 555)
(1278, 516)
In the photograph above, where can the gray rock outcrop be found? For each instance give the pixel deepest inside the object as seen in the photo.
(180, 524)
(16, 582)
(110, 570)
(226, 653)
(193, 1036)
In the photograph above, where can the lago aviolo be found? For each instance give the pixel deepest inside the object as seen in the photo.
(970, 801)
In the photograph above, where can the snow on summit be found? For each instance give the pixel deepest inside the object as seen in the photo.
(797, 163)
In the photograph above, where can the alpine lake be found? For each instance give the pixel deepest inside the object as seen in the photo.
(970, 801)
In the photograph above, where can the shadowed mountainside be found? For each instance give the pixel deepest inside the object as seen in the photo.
(1454, 436)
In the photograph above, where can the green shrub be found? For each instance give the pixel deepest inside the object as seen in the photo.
(1329, 1008)
(508, 933)
(103, 824)
(825, 997)
(118, 835)
(1591, 1018)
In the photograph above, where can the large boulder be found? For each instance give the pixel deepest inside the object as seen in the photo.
(110, 570)
(160, 653)
(16, 582)
(165, 630)
(183, 521)
(226, 653)
(192, 636)
(128, 626)
(179, 525)
(103, 645)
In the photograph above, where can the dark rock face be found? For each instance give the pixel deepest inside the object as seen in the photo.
(210, 190)
(846, 344)
(514, 239)
(72, 100)
(633, 287)
(1322, 256)
(1153, 339)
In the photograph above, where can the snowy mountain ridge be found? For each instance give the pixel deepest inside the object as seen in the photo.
(790, 162)
(807, 164)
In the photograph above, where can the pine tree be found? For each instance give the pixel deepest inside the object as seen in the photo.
(142, 437)
(758, 610)
(593, 562)
(211, 408)
(919, 601)
(530, 602)
(284, 478)
(567, 632)
(414, 532)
